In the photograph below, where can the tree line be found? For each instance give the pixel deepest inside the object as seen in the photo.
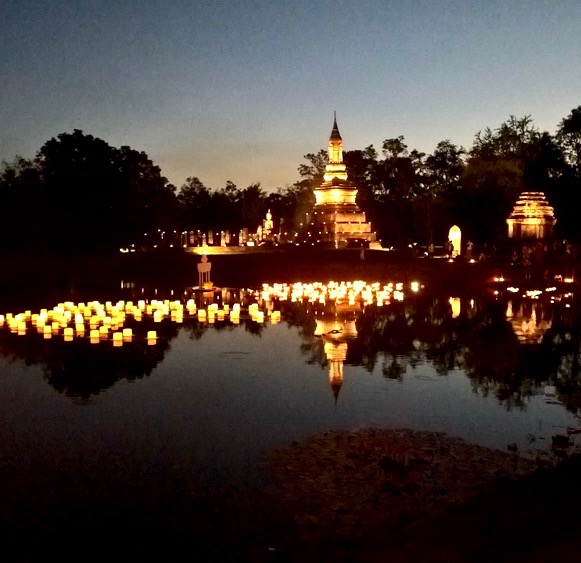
(79, 194)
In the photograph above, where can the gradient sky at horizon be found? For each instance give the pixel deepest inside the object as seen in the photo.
(241, 90)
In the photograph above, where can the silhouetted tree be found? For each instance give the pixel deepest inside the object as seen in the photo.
(23, 203)
(252, 206)
(194, 199)
(98, 197)
(569, 138)
(495, 175)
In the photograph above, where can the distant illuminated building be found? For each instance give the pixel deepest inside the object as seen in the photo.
(532, 217)
(455, 237)
(336, 218)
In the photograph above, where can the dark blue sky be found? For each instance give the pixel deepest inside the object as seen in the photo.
(241, 90)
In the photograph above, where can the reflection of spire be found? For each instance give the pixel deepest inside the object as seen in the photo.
(336, 354)
(335, 333)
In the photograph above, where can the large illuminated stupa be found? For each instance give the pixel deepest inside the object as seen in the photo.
(336, 218)
(532, 217)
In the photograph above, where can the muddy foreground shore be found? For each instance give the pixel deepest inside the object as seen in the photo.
(400, 495)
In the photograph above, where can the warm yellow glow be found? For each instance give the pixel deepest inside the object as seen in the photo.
(532, 216)
(336, 217)
(455, 236)
(101, 319)
(455, 304)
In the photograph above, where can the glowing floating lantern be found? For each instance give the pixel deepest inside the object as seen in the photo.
(151, 337)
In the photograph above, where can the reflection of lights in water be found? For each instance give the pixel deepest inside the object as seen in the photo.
(106, 321)
(455, 304)
(336, 354)
(509, 309)
(338, 293)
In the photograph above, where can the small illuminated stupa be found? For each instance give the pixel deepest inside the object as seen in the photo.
(532, 217)
(336, 217)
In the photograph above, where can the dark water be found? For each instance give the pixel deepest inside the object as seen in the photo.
(100, 436)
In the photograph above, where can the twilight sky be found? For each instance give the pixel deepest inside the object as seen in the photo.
(240, 90)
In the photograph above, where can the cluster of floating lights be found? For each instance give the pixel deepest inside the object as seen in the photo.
(349, 293)
(106, 321)
(94, 320)
(102, 322)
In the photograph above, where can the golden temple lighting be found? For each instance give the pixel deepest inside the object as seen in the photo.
(532, 217)
(336, 217)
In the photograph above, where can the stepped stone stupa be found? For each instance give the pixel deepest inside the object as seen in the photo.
(532, 217)
(336, 219)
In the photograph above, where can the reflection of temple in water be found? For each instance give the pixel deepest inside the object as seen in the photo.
(335, 333)
(529, 320)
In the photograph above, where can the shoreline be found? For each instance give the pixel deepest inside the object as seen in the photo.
(403, 495)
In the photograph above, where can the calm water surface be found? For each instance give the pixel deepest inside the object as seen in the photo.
(163, 440)
(210, 399)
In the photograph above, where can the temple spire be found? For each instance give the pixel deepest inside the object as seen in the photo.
(335, 168)
(335, 135)
(336, 217)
